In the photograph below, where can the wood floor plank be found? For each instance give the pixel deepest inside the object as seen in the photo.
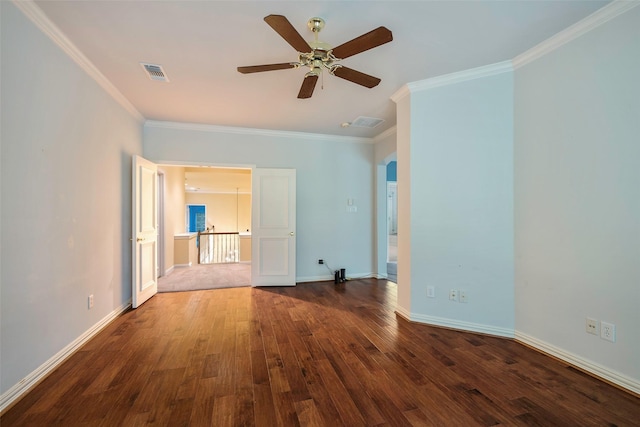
(317, 354)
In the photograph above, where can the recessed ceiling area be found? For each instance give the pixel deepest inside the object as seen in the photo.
(217, 180)
(200, 44)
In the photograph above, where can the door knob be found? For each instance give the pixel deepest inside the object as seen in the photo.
(139, 239)
(291, 234)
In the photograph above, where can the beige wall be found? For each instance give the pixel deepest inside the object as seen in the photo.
(174, 209)
(222, 208)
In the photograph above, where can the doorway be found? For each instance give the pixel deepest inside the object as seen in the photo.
(204, 199)
(392, 222)
(196, 218)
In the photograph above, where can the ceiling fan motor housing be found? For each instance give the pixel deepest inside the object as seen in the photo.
(315, 24)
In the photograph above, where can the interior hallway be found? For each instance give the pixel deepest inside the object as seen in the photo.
(206, 276)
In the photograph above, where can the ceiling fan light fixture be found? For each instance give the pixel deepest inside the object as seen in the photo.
(315, 24)
(314, 72)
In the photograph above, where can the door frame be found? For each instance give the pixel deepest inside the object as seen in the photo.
(186, 221)
(177, 164)
(161, 236)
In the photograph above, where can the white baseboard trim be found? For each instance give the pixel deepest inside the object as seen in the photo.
(182, 265)
(403, 312)
(457, 324)
(600, 371)
(325, 278)
(27, 383)
(169, 270)
(313, 279)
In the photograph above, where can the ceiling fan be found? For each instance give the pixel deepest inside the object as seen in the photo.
(320, 56)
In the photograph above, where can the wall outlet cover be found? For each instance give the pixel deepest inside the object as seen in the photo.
(608, 331)
(431, 292)
(463, 296)
(592, 326)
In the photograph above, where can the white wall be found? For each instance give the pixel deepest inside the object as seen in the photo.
(577, 196)
(405, 260)
(329, 171)
(226, 212)
(461, 210)
(66, 204)
(385, 146)
(174, 210)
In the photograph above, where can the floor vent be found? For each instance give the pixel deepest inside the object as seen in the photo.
(155, 72)
(366, 122)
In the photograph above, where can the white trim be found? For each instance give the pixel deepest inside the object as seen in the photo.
(216, 192)
(580, 362)
(31, 380)
(183, 265)
(185, 236)
(314, 279)
(460, 325)
(400, 93)
(42, 21)
(169, 270)
(406, 314)
(597, 18)
(251, 131)
(325, 278)
(209, 164)
(391, 131)
(453, 78)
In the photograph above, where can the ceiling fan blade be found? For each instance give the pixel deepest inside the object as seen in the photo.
(308, 84)
(356, 77)
(375, 38)
(282, 26)
(268, 67)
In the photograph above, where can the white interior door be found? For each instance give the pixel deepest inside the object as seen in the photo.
(273, 246)
(145, 230)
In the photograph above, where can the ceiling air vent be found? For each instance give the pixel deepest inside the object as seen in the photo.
(155, 72)
(366, 122)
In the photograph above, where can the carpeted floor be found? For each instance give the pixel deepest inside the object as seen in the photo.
(206, 276)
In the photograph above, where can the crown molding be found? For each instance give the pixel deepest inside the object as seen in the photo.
(391, 131)
(42, 21)
(597, 18)
(453, 78)
(401, 93)
(258, 132)
(461, 76)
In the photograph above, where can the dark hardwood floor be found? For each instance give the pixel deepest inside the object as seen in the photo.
(318, 354)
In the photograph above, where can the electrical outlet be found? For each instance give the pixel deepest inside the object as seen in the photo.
(320, 261)
(464, 297)
(90, 301)
(608, 331)
(431, 291)
(453, 295)
(592, 326)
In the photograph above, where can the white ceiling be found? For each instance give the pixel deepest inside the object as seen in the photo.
(206, 179)
(200, 44)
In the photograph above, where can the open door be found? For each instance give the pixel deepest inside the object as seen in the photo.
(145, 231)
(273, 247)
